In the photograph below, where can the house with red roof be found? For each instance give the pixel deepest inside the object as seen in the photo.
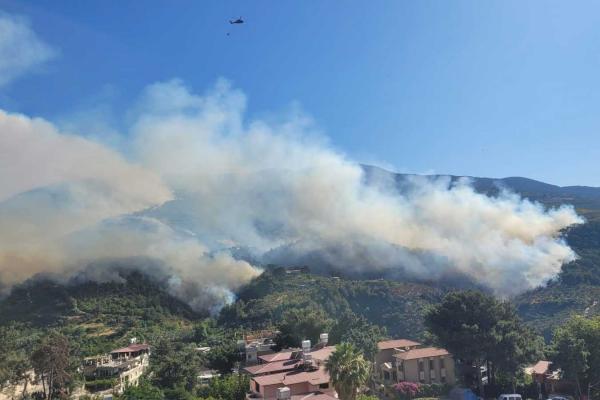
(124, 366)
(549, 379)
(400, 360)
(293, 374)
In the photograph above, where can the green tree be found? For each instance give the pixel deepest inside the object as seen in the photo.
(355, 329)
(228, 387)
(51, 362)
(14, 363)
(348, 370)
(179, 393)
(144, 391)
(575, 349)
(224, 357)
(516, 344)
(175, 364)
(300, 324)
(476, 328)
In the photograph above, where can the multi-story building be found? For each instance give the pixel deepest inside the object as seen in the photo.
(125, 366)
(405, 360)
(425, 365)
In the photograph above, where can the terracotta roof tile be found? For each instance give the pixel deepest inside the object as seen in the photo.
(421, 353)
(290, 378)
(391, 344)
(541, 367)
(282, 355)
(277, 366)
(313, 396)
(132, 348)
(322, 354)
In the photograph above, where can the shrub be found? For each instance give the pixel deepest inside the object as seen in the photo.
(99, 384)
(407, 390)
(433, 390)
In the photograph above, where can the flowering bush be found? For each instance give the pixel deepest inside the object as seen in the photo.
(407, 390)
(410, 390)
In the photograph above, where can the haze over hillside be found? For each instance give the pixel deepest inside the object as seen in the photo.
(210, 196)
(586, 199)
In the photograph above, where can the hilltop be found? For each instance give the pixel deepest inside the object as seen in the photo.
(585, 199)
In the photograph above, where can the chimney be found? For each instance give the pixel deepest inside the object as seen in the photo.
(284, 393)
(323, 339)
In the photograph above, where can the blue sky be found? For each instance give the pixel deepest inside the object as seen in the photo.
(506, 88)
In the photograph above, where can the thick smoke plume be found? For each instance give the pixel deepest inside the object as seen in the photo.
(197, 179)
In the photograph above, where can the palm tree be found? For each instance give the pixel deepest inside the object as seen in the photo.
(348, 370)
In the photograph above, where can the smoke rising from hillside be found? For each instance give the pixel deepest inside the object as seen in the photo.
(198, 178)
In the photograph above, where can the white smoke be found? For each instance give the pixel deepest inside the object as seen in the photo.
(273, 185)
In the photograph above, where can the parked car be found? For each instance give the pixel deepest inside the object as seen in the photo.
(513, 396)
(559, 397)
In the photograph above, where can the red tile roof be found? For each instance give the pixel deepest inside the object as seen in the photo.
(322, 354)
(282, 355)
(421, 353)
(269, 368)
(313, 396)
(290, 378)
(541, 367)
(132, 348)
(396, 343)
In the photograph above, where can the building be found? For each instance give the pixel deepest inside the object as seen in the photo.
(387, 348)
(255, 345)
(299, 382)
(425, 365)
(405, 360)
(293, 373)
(125, 366)
(548, 380)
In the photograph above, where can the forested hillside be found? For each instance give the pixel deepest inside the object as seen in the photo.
(97, 316)
(397, 306)
(575, 290)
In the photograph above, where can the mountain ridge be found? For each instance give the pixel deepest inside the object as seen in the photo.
(585, 199)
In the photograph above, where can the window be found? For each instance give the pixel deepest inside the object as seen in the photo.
(257, 386)
(386, 375)
(442, 363)
(421, 366)
(324, 385)
(431, 366)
